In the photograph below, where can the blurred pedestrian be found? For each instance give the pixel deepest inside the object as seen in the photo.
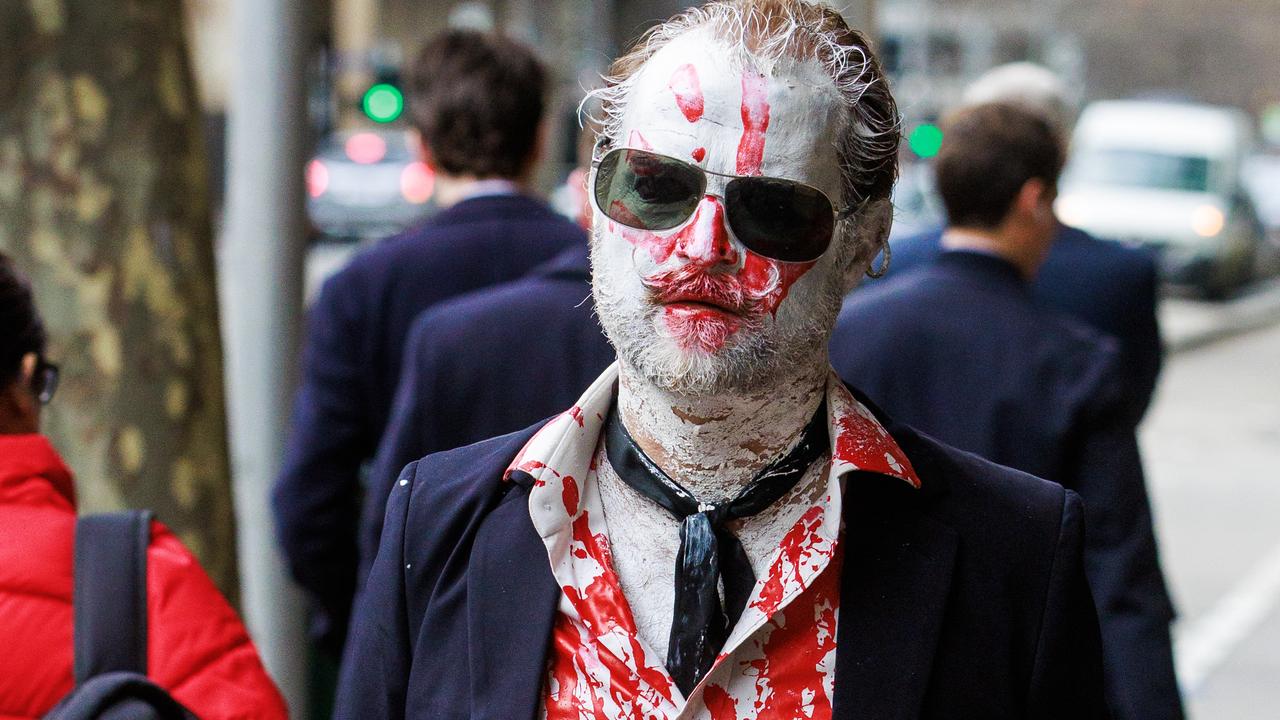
(535, 339)
(961, 349)
(476, 103)
(197, 648)
(1109, 286)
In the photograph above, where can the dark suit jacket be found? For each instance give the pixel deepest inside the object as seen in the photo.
(351, 362)
(1108, 286)
(486, 364)
(961, 350)
(963, 600)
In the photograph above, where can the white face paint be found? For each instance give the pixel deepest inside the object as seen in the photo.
(691, 309)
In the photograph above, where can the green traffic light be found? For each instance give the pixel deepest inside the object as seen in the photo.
(383, 103)
(925, 140)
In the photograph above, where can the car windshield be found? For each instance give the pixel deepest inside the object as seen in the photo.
(1139, 168)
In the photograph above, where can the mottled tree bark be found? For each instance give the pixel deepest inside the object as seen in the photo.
(103, 203)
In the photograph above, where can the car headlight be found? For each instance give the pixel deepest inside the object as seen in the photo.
(1207, 221)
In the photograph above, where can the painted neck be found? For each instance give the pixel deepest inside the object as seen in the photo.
(714, 444)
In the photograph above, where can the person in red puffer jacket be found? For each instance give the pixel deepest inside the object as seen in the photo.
(198, 650)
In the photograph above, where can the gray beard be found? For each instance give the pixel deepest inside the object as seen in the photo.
(757, 357)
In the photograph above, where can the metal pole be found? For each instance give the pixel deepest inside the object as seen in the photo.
(261, 262)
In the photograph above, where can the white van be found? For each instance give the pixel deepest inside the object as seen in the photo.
(1166, 175)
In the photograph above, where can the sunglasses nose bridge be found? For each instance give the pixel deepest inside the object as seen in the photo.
(707, 239)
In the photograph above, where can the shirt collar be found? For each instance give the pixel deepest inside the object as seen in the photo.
(490, 187)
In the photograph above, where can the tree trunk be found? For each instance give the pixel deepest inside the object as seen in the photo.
(104, 204)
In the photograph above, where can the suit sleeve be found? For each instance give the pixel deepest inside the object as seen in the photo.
(1123, 566)
(378, 657)
(319, 483)
(1066, 681)
(409, 434)
(197, 648)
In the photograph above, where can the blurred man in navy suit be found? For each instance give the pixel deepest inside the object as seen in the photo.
(486, 364)
(1108, 286)
(476, 101)
(961, 349)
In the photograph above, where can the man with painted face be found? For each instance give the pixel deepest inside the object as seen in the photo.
(720, 528)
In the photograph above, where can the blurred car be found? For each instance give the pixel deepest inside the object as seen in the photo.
(1167, 175)
(916, 205)
(367, 184)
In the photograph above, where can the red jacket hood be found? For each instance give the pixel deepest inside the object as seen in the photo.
(28, 467)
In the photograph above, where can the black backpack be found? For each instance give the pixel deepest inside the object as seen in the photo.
(110, 605)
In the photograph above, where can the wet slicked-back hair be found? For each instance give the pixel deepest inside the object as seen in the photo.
(21, 330)
(768, 30)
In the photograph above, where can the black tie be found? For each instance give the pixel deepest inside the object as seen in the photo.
(708, 551)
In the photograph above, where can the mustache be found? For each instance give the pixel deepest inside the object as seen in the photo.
(691, 282)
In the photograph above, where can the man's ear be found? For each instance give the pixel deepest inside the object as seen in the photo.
(1031, 196)
(19, 408)
(870, 236)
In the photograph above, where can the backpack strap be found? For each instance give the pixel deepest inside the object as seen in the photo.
(110, 593)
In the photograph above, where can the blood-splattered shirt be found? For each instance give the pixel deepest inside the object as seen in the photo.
(779, 660)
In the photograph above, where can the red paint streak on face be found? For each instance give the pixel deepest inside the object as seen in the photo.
(758, 271)
(698, 154)
(570, 496)
(864, 443)
(688, 91)
(719, 704)
(636, 140)
(799, 545)
(788, 680)
(755, 120)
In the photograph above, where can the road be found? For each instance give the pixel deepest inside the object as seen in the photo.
(1211, 445)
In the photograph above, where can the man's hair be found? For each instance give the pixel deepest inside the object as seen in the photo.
(988, 153)
(477, 99)
(21, 330)
(867, 146)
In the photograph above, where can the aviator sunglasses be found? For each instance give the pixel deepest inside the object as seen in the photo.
(780, 219)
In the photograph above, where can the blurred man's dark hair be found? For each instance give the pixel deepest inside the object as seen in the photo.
(21, 330)
(477, 100)
(988, 153)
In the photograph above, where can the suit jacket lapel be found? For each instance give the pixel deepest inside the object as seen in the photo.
(893, 594)
(511, 608)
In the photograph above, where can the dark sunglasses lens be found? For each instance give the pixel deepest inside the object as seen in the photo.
(646, 191)
(779, 219)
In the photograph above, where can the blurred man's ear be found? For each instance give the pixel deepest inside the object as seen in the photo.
(1033, 196)
(19, 407)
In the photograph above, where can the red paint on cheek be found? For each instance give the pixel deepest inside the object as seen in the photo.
(688, 91)
(636, 140)
(698, 154)
(758, 271)
(755, 120)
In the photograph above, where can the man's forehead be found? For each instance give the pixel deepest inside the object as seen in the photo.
(696, 98)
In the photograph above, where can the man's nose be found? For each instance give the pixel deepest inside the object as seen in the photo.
(706, 239)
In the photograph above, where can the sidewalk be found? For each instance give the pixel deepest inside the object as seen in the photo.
(1189, 324)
